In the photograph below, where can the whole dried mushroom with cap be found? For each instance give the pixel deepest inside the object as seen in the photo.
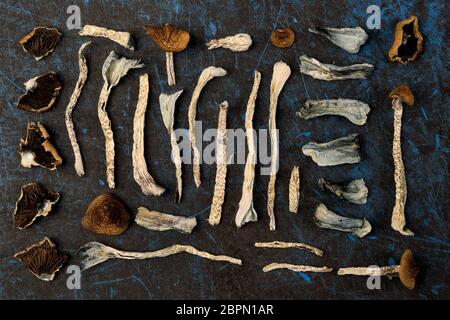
(283, 38)
(106, 214)
(41, 41)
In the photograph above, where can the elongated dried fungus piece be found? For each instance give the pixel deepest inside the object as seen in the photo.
(106, 214)
(41, 93)
(79, 168)
(237, 43)
(206, 75)
(41, 41)
(114, 68)
(36, 150)
(355, 192)
(408, 41)
(327, 219)
(286, 245)
(294, 190)
(120, 37)
(158, 221)
(94, 253)
(140, 172)
(349, 39)
(246, 211)
(221, 161)
(167, 106)
(330, 72)
(42, 259)
(295, 267)
(354, 110)
(281, 73)
(336, 152)
(34, 201)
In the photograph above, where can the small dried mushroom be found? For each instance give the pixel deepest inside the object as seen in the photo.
(354, 110)
(158, 221)
(34, 201)
(169, 39)
(336, 152)
(294, 190)
(41, 41)
(349, 39)
(106, 214)
(408, 41)
(42, 259)
(295, 267)
(355, 192)
(237, 43)
(283, 38)
(407, 270)
(327, 219)
(330, 72)
(36, 150)
(120, 37)
(41, 93)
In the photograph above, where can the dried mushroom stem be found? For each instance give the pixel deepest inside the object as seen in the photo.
(221, 161)
(286, 245)
(94, 253)
(281, 73)
(294, 190)
(295, 268)
(158, 221)
(246, 211)
(79, 168)
(349, 39)
(238, 43)
(369, 271)
(122, 38)
(170, 69)
(140, 172)
(206, 75)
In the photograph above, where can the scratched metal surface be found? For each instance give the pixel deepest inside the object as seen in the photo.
(425, 149)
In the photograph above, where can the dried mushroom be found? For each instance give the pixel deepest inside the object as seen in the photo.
(238, 43)
(106, 214)
(41, 93)
(36, 150)
(295, 268)
(169, 39)
(287, 245)
(283, 38)
(355, 192)
(158, 221)
(408, 41)
(349, 39)
(41, 41)
(42, 259)
(34, 201)
(120, 37)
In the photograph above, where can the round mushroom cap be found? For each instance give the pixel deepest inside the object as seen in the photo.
(168, 37)
(408, 270)
(283, 38)
(403, 93)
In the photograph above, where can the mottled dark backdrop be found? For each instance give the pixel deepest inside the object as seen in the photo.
(425, 147)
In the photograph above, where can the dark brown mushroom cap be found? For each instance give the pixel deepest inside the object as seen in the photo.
(283, 38)
(42, 259)
(403, 93)
(106, 214)
(41, 41)
(408, 41)
(34, 201)
(41, 94)
(408, 270)
(37, 150)
(168, 37)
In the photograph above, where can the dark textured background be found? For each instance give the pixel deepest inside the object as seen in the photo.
(425, 149)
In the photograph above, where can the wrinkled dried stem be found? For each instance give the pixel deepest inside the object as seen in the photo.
(122, 38)
(158, 221)
(295, 268)
(221, 161)
(294, 190)
(349, 39)
(170, 69)
(246, 211)
(286, 245)
(79, 168)
(281, 73)
(237, 43)
(369, 271)
(140, 172)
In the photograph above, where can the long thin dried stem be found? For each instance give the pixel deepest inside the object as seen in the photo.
(286, 245)
(368, 271)
(295, 268)
(170, 69)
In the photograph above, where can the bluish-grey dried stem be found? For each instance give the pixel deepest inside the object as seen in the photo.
(349, 39)
(355, 192)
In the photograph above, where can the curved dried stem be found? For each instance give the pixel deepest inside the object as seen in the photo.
(295, 268)
(120, 37)
(286, 245)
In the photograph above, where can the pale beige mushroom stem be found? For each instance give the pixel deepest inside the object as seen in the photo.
(370, 271)
(286, 245)
(294, 190)
(295, 268)
(170, 69)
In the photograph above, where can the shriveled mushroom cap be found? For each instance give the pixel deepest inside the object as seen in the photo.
(408, 270)
(283, 38)
(41, 94)
(41, 41)
(403, 93)
(168, 37)
(408, 41)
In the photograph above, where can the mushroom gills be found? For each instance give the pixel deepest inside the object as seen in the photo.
(355, 192)
(41, 93)
(41, 41)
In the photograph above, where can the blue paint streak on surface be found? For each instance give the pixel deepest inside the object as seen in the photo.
(84, 130)
(437, 142)
(305, 277)
(101, 182)
(352, 237)
(391, 261)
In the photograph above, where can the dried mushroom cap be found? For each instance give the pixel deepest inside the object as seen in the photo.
(106, 214)
(41, 41)
(168, 37)
(283, 38)
(34, 201)
(408, 41)
(403, 93)
(408, 270)
(37, 150)
(42, 259)
(41, 94)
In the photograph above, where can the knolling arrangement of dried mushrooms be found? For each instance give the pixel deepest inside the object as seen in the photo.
(107, 214)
